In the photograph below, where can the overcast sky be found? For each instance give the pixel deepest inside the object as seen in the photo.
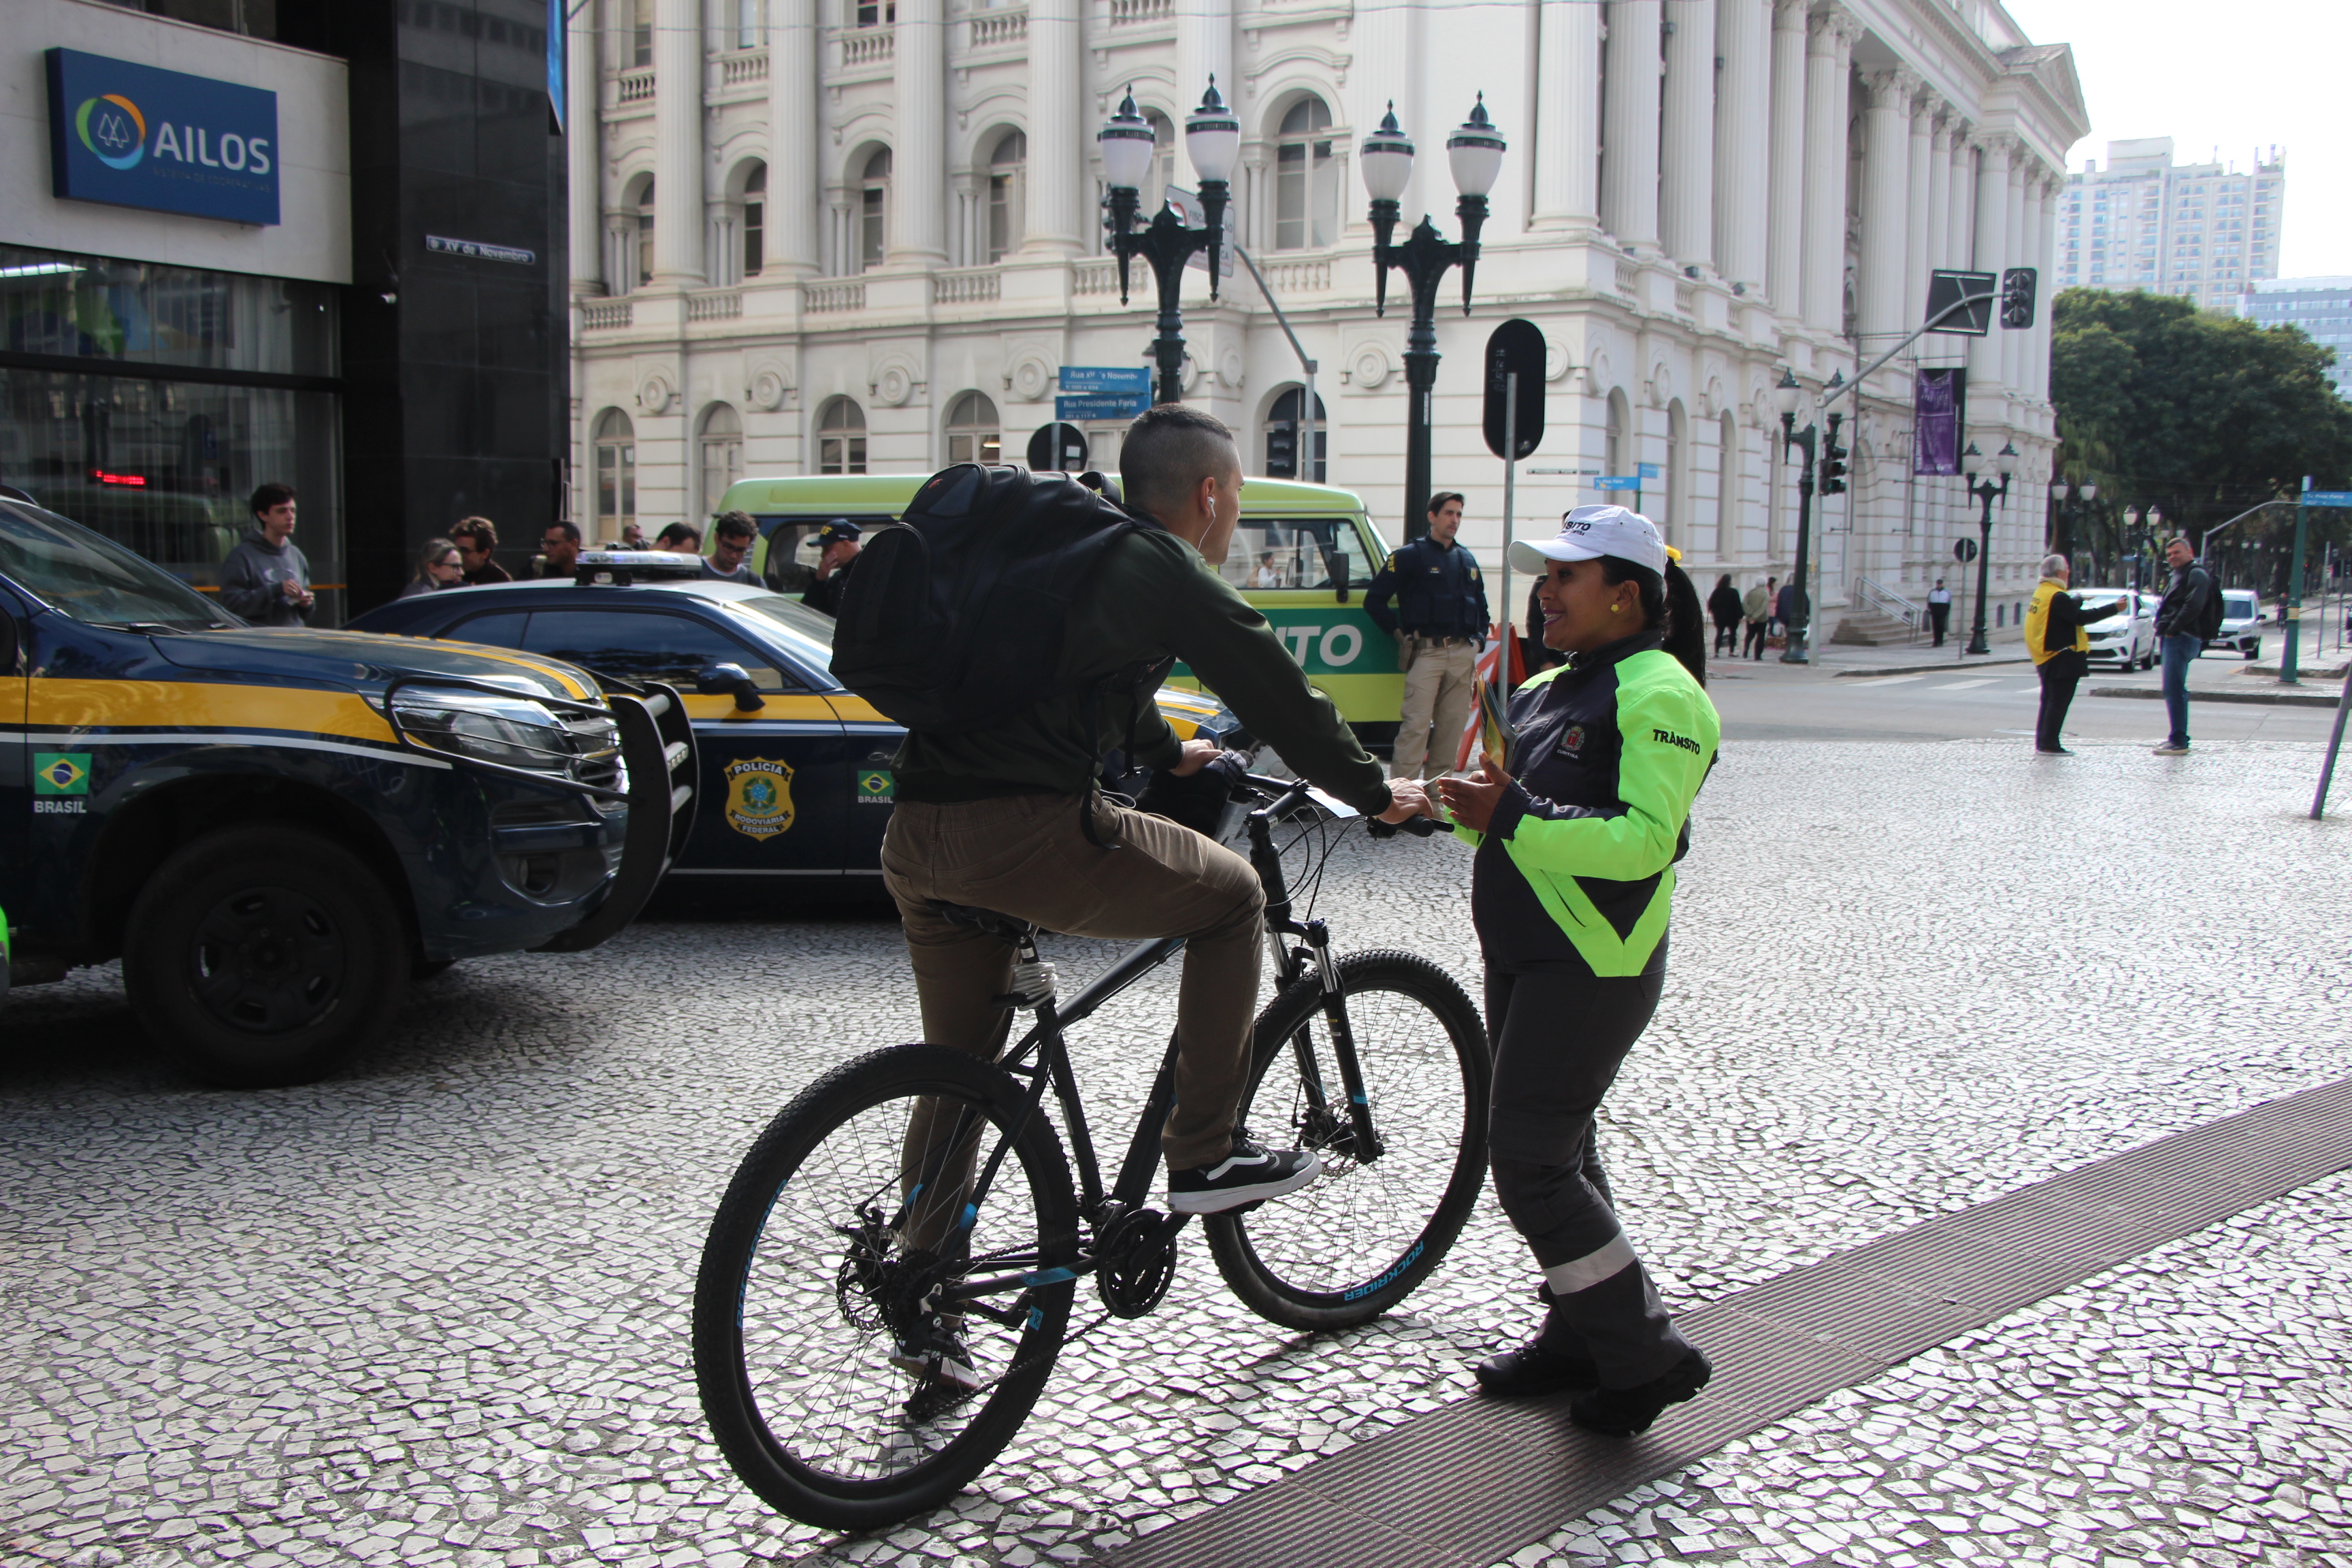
(2234, 77)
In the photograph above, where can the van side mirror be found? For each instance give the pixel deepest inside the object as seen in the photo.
(721, 679)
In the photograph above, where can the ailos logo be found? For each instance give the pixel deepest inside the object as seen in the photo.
(115, 131)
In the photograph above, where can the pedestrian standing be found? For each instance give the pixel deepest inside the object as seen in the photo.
(732, 535)
(266, 577)
(1724, 605)
(1756, 606)
(558, 545)
(1940, 610)
(633, 535)
(2188, 613)
(2054, 620)
(438, 566)
(1576, 834)
(475, 538)
(838, 547)
(1440, 624)
(1789, 608)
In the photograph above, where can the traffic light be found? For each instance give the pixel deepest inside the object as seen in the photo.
(1833, 468)
(1282, 450)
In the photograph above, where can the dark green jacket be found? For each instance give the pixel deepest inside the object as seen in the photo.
(1153, 598)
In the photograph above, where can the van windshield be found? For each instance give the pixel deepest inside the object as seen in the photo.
(1297, 553)
(2237, 606)
(92, 579)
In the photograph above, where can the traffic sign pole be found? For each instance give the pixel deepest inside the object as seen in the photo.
(2294, 599)
(1510, 496)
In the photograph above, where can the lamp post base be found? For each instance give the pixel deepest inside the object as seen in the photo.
(1796, 652)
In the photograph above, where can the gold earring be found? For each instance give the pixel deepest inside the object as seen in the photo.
(1614, 608)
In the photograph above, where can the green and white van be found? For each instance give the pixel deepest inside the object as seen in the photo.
(1303, 554)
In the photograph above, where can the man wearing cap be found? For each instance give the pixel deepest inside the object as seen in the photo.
(1440, 624)
(836, 544)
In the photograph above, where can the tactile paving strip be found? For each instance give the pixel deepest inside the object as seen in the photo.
(1470, 1484)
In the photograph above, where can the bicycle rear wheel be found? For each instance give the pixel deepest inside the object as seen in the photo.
(1369, 1230)
(816, 1326)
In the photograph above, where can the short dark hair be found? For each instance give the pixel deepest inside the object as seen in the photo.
(570, 531)
(734, 525)
(2183, 540)
(1169, 449)
(1438, 503)
(270, 495)
(480, 529)
(679, 532)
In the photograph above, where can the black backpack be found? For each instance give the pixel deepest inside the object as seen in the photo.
(954, 620)
(2209, 616)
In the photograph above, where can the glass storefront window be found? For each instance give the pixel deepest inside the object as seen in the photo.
(163, 464)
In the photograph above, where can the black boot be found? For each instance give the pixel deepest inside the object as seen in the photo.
(1622, 1411)
(1532, 1369)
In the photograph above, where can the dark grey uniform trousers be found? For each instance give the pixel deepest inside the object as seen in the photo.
(1559, 1038)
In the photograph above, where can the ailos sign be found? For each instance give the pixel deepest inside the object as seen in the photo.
(131, 135)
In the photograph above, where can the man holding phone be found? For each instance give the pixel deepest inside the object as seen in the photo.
(266, 578)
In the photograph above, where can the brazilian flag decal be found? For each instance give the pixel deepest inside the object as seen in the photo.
(876, 787)
(60, 773)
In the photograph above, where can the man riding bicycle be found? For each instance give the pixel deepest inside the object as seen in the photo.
(1009, 819)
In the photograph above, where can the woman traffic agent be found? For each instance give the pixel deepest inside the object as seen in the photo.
(1576, 834)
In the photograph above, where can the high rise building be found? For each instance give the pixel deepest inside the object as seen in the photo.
(2320, 306)
(2204, 231)
(821, 235)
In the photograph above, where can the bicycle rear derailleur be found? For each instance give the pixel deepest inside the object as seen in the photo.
(1135, 1259)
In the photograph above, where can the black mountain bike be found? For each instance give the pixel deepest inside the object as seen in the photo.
(920, 1192)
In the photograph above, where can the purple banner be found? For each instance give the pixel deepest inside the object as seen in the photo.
(1937, 408)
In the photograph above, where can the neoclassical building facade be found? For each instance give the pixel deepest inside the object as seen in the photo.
(824, 236)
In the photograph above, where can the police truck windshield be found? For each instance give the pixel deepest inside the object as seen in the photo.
(92, 579)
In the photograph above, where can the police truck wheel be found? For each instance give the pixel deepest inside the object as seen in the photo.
(260, 956)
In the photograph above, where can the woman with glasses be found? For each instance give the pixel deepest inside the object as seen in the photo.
(438, 566)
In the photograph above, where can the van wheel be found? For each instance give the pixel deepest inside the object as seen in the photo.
(260, 956)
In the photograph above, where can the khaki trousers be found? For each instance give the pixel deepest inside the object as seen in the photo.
(1437, 696)
(1026, 857)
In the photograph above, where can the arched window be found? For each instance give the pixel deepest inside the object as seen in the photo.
(1282, 437)
(617, 473)
(874, 210)
(642, 240)
(1613, 449)
(974, 436)
(755, 221)
(722, 454)
(1007, 171)
(641, 32)
(1306, 179)
(840, 437)
(1163, 161)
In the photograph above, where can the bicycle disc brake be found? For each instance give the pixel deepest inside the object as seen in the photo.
(1136, 1261)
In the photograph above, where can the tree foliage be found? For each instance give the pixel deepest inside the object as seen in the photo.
(2201, 414)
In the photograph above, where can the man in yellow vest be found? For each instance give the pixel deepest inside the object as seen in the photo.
(2054, 620)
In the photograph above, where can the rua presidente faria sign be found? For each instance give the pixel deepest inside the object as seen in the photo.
(134, 136)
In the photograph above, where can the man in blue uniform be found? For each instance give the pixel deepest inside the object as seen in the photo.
(1440, 623)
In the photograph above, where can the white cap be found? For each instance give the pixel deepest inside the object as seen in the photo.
(1588, 533)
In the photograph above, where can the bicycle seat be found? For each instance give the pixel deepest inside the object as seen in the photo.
(989, 921)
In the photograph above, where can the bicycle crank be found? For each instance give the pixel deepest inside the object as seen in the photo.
(1135, 1260)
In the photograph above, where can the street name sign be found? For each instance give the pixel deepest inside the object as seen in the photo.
(1102, 391)
(2327, 498)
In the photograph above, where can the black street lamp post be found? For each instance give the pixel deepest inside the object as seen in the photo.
(1476, 154)
(1213, 140)
(1987, 493)
(1832, 468)
(2072, 510)
(2139, 536)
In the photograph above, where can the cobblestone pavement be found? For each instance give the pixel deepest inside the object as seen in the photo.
(434, 1311)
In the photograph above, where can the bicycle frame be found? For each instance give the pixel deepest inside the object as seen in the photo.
(1047, 1044)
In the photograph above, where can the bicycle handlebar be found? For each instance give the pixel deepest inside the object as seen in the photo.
(1288, 793)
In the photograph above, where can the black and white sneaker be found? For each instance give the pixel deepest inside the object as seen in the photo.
(1251, 1173)
(936, 1353)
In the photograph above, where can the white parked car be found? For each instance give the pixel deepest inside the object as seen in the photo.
(2127, 640)
(2241, 623)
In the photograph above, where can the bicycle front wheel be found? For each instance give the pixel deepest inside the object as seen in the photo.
(844, 1380)
(1380, 1216)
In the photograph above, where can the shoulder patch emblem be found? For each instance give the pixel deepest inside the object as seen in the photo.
(1571, 740)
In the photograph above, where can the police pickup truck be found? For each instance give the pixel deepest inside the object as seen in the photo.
(277, 830)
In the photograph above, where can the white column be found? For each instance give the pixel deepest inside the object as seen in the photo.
(1628, 140)
(677, 143)
(1056, 171)
(1785, 237)
(1939, 192)
(1568, 114)
(1885, 205)
(620, 276)
(790, 240)
(1922, 194)
(1991, 250)
(1686, 164)
(1960, 234)
(722, 261)
(584, 156)
(1828, 52)
(1743, 138)
(2046, 259)
(919, 192)
(2013, 254)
